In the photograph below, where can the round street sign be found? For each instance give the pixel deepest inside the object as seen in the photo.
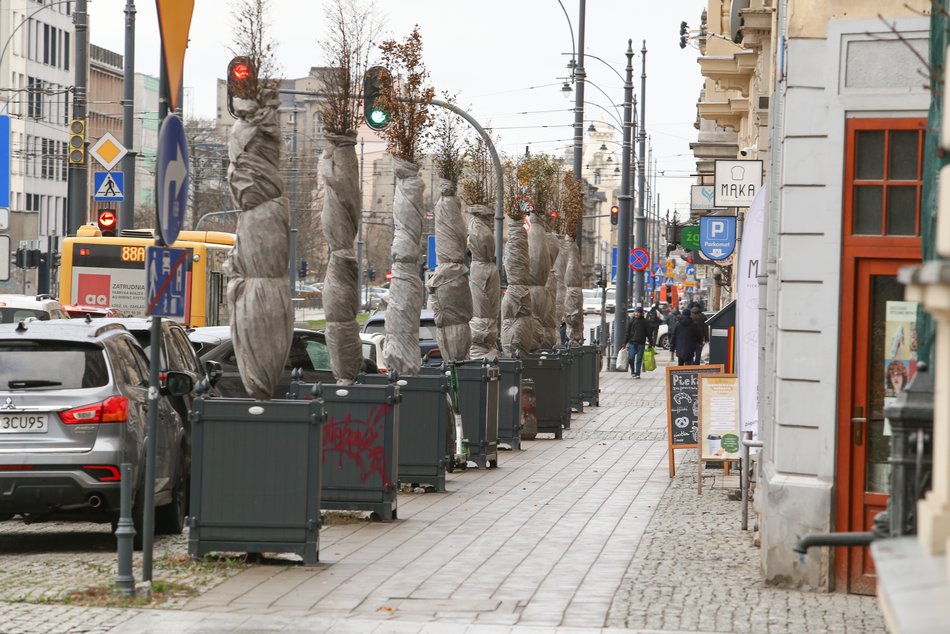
(171, 179)
(639, 259)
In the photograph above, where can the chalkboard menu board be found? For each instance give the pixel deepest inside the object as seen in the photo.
(682, 406)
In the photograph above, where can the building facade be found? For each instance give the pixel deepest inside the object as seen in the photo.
(830, 96)
(37, 67)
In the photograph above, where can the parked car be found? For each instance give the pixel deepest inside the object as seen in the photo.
(592, 297)
(427, 341)
(611, 300)
(15, 308)
(78, 312)
(373, 349)
(308, 351)
(73, 407)
(375, 297)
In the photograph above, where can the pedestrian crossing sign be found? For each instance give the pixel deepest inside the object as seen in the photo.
(109, 186)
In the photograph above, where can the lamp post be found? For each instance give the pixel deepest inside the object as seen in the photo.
(623, 221)
(579, 78)
(640, 222)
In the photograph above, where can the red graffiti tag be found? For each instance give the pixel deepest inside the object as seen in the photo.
(359, 441)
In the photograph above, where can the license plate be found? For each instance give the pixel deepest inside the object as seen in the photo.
(24, 423)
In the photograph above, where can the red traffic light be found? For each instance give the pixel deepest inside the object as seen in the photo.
(389, 276)
(107, 221)
(614, 214)
(240, 71)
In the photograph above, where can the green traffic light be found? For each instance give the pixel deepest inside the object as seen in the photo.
(378, 117)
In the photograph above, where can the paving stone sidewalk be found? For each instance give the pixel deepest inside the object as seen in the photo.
(695, 570)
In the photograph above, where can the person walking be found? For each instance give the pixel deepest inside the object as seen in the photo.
(672, 318)
(638, 335)
(653, 320)
(684, 338)
(702, 331)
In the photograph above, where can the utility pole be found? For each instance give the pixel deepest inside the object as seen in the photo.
(77, 187)
(579, 77)
(127, 209)
(293, 208)
(359, 233)
(640, 224)
(623, 220)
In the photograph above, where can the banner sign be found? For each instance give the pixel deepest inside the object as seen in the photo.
(737, 183)
(717, 236)
(747, 313)
(701, 197)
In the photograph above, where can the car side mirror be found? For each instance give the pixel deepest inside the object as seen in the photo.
(176, 383)
(213, 370)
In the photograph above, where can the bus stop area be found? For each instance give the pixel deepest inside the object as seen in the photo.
(586, 534)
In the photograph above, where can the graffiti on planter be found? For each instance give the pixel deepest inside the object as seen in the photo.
(358, 441)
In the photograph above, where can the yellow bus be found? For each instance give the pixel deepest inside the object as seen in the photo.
(110, 272)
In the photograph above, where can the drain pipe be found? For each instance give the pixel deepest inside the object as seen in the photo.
(832, 539)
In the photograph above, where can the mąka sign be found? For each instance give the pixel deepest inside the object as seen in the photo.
(737, 183)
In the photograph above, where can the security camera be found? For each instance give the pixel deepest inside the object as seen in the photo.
(745, 151)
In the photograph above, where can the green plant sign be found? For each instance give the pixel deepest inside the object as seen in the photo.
(689, 238)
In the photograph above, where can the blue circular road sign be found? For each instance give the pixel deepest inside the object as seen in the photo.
(171, 179)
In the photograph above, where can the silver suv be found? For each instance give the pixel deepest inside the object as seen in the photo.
(73, 407)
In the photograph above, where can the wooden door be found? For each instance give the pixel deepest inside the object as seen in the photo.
(883, 183)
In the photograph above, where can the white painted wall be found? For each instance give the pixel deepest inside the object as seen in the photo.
(847, 74)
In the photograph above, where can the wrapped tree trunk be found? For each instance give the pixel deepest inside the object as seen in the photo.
(340, 220)
(516, 319)
(542, 309)
(484, 283)
(259, 290)
(574, 302)
(451, 297)
(560, 270)
(401, 350)
(551, 318)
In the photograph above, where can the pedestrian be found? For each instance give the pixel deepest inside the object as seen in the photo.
(702, 331)
(653, 320)
(684, 338)
(638, 335)
(672, 318)
(562, 331)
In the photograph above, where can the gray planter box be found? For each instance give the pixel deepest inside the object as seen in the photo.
(591, 362)
(426, 428)
(255, 477)
(574, 354)
(360, 440)
(509, 403)
(478, 404)
(551, 375)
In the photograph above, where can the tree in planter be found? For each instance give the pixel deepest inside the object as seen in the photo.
(451, 297)
(572, 203)
(407, 99)
(478, 189)
(353, 29)
(258, 292)
(517, 334)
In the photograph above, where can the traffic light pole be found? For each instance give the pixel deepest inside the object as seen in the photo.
(641, 184)
(359, 236)
(623, 224)
(77, 187)
(127, 208)
(580, 76)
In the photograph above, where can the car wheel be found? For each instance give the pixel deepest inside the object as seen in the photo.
(664, 341)
(170, 519)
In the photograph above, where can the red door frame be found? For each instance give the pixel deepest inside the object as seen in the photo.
(855, 249)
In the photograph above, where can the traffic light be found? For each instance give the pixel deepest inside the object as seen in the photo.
(241, 77)
(303, 269)
(107, 222)
(684, 34)
(377, 117)
(77, 142)
(614, 215)
(371, 274)
(19, 259)
(32, 258)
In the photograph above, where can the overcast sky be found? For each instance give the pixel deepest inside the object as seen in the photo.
(502, 58)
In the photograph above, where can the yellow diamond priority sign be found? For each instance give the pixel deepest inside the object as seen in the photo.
(108, 151)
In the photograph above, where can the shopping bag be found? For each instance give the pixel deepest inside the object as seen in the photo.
(623, 361)
(649, 359)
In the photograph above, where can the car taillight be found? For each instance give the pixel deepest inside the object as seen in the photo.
(381, 370)
(103, 472)
(114, 409)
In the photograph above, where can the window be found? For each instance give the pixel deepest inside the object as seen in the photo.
(46, 44)
(66, 47)
(53, 364)
(884, 177)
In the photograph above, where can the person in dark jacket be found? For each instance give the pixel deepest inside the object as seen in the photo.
(638, 335)
(672, 318)
(653, 320)
(702, 332)
(684, 338)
